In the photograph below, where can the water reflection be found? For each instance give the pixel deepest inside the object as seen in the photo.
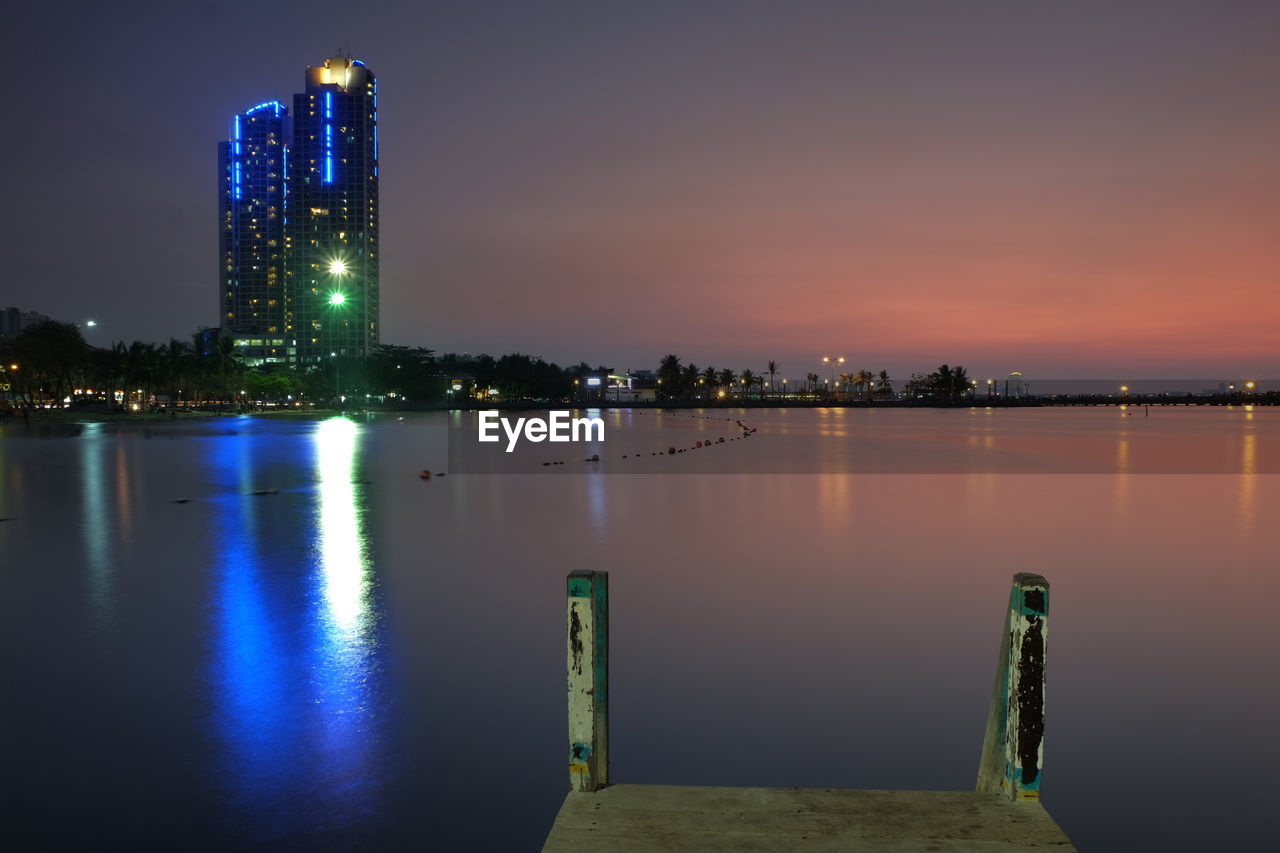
(344, 663)
(295, 661)
(1247, 505)
(95, 523)
(251, 669)
(597, 506)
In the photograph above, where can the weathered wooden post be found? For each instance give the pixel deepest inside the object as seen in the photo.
(1013, 749)
(588, 658)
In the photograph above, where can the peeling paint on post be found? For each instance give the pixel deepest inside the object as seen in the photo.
(1013, 749)
(588, 661)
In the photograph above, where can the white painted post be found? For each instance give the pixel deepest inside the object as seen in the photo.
(588, 662)
(1013, 748)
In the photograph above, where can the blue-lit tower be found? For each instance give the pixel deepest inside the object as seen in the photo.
(252, 164)
(333, 212)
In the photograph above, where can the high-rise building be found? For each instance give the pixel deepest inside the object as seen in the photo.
(332, 206)
(14, 322)
(253, 166)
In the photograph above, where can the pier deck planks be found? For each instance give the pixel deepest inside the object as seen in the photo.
(644, 818)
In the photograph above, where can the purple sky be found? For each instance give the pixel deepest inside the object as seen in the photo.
(1066, 189)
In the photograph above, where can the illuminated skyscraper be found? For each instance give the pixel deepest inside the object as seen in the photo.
(332, 269)
(252, 169)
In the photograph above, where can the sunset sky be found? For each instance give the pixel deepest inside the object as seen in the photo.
(1069, 189)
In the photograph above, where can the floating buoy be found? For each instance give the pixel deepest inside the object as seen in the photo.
(595, 457)
(699, 444)
(426, 475)
(753, 429)
(671, 450)
(545, 464)
(721, 439)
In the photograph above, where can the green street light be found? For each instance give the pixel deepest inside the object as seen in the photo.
(338, 267)
(337, 299)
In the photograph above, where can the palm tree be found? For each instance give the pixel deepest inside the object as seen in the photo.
(883, 386)
(669, 375)
(863, 379)
(811, 379)
(175, 356)
(959, 382)
(725, 380)
(226, 360)
(845, 379)
(709, 378)
(748, 380)
(140, 369)
(773, 368)
(689, 380)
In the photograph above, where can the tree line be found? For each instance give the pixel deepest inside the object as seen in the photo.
(51, 361)
(688, 382)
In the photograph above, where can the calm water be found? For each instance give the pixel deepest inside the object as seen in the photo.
(364, 658)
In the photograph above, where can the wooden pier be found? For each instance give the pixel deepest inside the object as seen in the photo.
(1003, 812)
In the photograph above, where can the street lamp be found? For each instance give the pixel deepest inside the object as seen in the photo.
(337, 299)
(832, 361)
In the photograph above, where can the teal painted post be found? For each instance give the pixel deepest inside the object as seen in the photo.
(1013, 748)
(588, 662)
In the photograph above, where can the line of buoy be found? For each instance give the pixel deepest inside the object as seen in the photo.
(672, 450)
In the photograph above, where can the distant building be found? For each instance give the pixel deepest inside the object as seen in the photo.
(10, 323)
(205, 341)
(333, 212)
(628, 388)
(1014, 386)
(642, 378)
(252, 166)
(14, 321)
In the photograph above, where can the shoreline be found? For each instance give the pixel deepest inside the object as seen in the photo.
(67, 415)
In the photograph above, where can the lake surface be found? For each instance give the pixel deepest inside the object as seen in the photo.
(364, 658)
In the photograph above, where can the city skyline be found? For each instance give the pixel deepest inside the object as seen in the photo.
(1066, 192)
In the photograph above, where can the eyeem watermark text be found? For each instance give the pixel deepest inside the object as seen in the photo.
(561, 426)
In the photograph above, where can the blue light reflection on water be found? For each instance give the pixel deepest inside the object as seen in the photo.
(295, 661)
